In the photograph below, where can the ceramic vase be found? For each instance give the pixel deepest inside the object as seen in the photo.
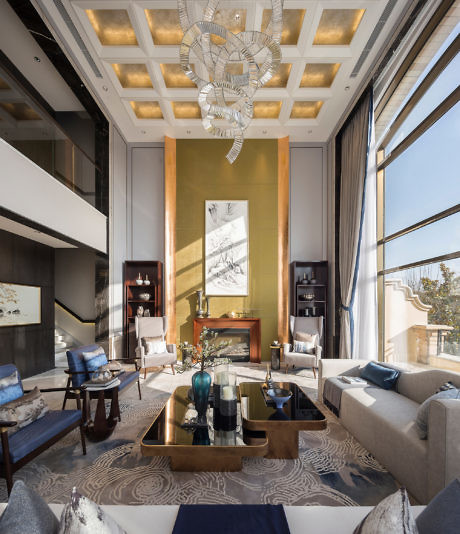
(201, 384)
(200, 311)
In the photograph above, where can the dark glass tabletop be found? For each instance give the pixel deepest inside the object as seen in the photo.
(257, 405)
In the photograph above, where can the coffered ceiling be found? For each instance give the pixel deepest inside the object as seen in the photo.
(128, 51)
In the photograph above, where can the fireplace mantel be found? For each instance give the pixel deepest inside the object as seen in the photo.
(251, 323)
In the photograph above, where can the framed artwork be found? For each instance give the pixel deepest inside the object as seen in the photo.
(19, 304)
(226, 248)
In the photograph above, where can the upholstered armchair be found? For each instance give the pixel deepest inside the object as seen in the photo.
(154, 328)
(304, 325)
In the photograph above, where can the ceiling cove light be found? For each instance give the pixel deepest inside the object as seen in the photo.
(226, 98)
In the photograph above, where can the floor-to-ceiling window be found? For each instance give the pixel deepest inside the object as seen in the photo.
(419, 232)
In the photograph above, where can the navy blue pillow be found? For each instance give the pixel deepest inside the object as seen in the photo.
(443, 513)
(378, 374)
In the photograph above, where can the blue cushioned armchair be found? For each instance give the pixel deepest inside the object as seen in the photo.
(78, 374)
(31, 440)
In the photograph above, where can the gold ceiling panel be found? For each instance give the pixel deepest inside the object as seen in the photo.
(319, 74)
(266, 110)
(164, 26)
(306, 110)
(338, 26)
(292, 24)
(281, 76)
(3, 84)
(132, 75)
(20, 111)
(174, 76)
(146, 110)
(186, 110)
(232, 19)
(112, 26)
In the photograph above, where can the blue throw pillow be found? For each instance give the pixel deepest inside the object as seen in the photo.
(442, 515)
(10, 393)
(381, 376)
(94, 363)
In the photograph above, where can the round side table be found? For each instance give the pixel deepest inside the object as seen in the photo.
(275, 356)
(102, 425)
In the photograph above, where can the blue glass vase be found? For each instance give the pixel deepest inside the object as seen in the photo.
(201, 384)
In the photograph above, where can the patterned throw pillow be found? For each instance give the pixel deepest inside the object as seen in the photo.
(27, 512)
(24, 410)
(158, 347)
(83, 516)
(10, 388)
(95, 359)
(393, 514)
(421, 421)
(304, 347)
(302, 336)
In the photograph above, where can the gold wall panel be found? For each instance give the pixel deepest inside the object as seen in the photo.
(281, 76)
(319, 74)
(338, 26)
(203, 173)
(170, 238)
(283, 240)
(267, 110)
(292, 24)
(164, 26)
(186, 110)
(112, 26)
(20, 111)
(174, 76)
(132, 75)
(306, 110)
(146, 110)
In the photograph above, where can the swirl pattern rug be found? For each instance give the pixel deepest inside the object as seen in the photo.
(333, 469)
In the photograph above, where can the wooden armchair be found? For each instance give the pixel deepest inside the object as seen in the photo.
(77, 374)
(31, 440)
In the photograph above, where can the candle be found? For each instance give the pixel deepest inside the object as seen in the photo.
(227, 393)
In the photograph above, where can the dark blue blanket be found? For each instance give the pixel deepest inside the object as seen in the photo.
(231, 519)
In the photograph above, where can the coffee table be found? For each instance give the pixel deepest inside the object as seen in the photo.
(205, 449)
(280, 427)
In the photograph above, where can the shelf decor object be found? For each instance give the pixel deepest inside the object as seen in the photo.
(225, 96)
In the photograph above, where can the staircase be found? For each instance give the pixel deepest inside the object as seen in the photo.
(62, 342)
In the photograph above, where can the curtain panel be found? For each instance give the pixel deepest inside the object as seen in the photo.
(354, 157)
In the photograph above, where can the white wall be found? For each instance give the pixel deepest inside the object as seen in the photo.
(308, 203)
(31, 192)
(137, 213)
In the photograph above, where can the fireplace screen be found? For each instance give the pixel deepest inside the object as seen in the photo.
(238, 350)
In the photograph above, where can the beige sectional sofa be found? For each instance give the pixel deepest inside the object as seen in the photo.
(383, 421)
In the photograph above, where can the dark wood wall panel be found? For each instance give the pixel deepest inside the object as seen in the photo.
(29, 347)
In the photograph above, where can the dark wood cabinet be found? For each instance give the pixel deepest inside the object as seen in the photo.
(135, 298)
(309, 287)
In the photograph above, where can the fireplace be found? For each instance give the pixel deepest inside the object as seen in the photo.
(244, 334)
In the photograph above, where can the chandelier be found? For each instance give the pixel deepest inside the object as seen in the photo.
(226, 100)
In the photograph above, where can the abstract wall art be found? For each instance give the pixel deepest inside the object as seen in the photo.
(226, 247)
(19, 304)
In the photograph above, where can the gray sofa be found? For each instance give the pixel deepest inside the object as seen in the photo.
(383, 421)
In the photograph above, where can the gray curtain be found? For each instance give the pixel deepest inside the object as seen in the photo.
(355, 145)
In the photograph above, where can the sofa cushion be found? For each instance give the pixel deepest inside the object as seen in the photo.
(384, 423)
(83, 516)
(40, 431)
(27, 513)
(419, 385)
(10, 386)
(94, 360)
(155, 347)
(77, 364)
(421, 421)
(304, 347)
(378, 374)
(24, 410)
(393, 514)
(443, 512)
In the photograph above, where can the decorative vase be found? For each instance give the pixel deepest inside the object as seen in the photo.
(139, 280)
(208, 311)
(146, 281)
(200, 311)
(201, 384)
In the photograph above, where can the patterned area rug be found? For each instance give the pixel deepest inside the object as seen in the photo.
(332, 468)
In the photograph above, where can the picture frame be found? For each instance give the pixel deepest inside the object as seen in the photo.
(20, 304)
(226, 248)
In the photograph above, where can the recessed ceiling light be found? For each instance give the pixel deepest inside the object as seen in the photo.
(143, 132)
(264, 132)
(347, 88)
(105, 88)
(189, 131)
(310, 131)
(37, 59)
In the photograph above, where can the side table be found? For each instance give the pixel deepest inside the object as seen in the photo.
(275, 356)
(102, 425)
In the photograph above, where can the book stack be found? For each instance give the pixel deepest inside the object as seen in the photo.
(97, 385)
